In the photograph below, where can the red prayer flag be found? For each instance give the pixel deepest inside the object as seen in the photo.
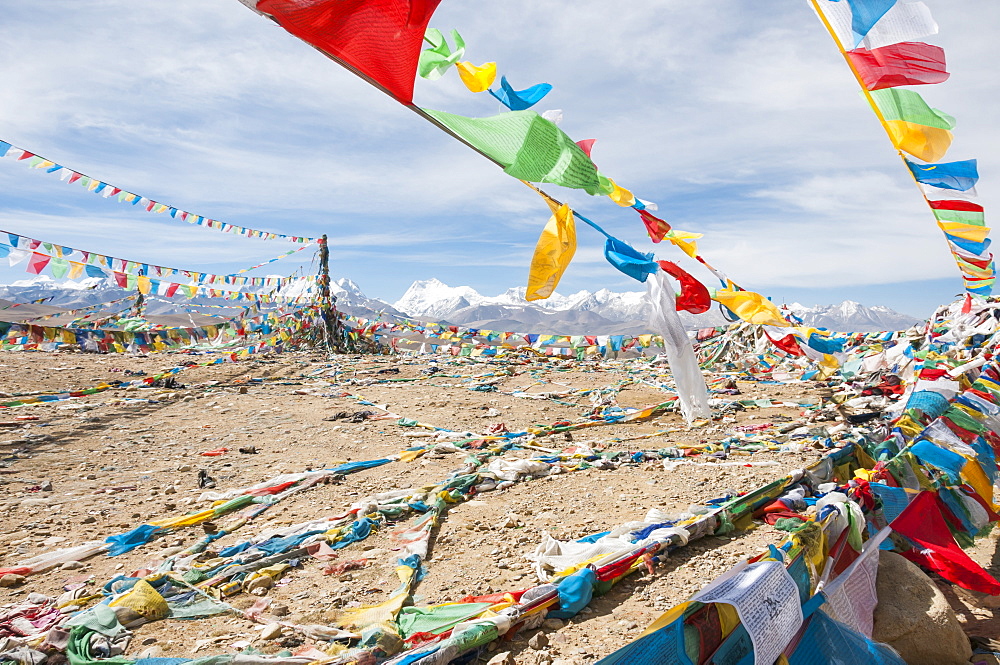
(788, 344)
(380, 39)
(587, 145)
(907, 63)
(923, 523)
(963, 206)
(655, 227)
(694, 296)
(37, 263)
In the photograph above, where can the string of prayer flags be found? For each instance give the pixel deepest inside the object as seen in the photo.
(107, 190)
(553, 253)
(436, 60)
(519, 100)
(77, 262)
(477, 79)
(378, 39)
(528, 147)
(888, 58)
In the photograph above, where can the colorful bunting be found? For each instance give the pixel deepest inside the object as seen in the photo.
(107, 191)
(891, 58)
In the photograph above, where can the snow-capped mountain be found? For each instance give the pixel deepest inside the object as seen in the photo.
(852, 316)
(604, 311)
(352, 300)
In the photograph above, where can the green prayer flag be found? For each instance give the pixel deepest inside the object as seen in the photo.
(529, 147)
(909, 106)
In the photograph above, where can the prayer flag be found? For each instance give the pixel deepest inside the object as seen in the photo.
(909, 63)
(529, 147)
(960, 176)
(553, 253)
(381, 39)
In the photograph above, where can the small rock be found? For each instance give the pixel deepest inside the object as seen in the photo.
(71, 565)
(8, 581)
(502, 658)
(279, 610)
(553, 624)
(151, 652)
(538, 641)
(46, 486)
(184, 468)
(272, 631)
(149, 640)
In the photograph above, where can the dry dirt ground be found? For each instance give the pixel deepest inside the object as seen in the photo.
(123, 457)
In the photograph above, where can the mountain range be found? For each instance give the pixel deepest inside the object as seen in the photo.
(602, 312)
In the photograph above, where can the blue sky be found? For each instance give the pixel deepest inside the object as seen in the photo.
(739, 119)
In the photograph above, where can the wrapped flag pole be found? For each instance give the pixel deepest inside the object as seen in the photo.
(692, 392)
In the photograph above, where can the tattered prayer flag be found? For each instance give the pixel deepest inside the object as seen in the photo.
(436, 60)
(751, 307)
(519, 100)
(909, 63)
(655, 227)
(381, 39)
(477, 79)
(959, 176)
(529, 147)
(553, 253)
(694, 296)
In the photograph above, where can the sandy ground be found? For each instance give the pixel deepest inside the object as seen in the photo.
(123, 457)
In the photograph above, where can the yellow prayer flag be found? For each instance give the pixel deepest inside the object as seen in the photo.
(621, 196)
(685, 240)
(477, 79)
(553, 253)
(969, 232)
(928, 143)
(75, 269)
(751, 307)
